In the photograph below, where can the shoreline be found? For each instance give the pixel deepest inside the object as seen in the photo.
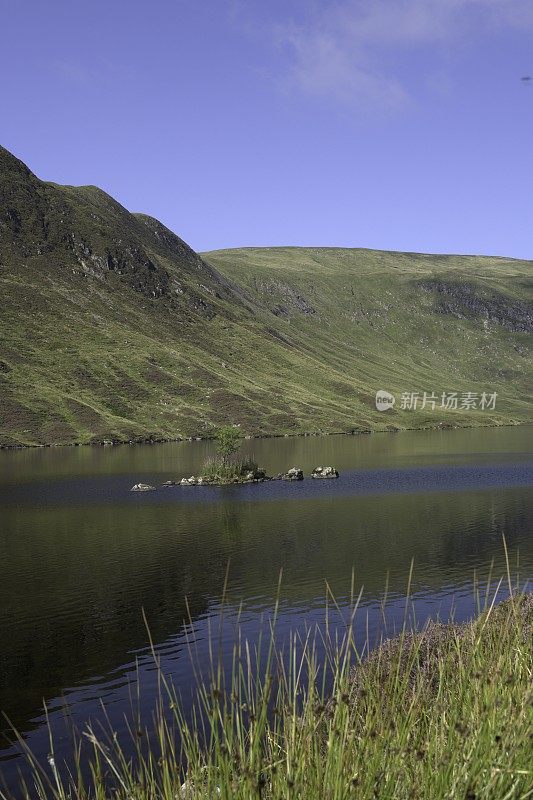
(305, 435)
(444, 708)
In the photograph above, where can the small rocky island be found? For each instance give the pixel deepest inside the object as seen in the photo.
(240, 477)
(225, 469)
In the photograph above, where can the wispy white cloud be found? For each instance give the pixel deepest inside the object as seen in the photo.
(322, 65)
(351, 50)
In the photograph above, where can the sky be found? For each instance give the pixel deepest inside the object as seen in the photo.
(391, 124)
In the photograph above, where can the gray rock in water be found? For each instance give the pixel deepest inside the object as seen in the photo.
(169, 483)
(324, 472)
(294, 474)
(192, 481)
(142, 487)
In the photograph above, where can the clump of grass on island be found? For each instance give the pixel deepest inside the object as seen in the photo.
(442, 714)
(225, 467)
(235, 469)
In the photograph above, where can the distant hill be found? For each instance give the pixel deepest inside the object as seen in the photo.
(113, 328)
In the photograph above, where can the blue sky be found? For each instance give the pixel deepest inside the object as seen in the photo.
(395, 124)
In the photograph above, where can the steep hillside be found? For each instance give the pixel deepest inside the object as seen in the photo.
(404, 322)
(111, 327)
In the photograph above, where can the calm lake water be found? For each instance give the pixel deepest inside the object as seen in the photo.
(81, 556)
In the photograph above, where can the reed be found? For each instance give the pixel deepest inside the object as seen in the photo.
(446, 712)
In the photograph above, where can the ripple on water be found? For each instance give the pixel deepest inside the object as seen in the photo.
(81, 559)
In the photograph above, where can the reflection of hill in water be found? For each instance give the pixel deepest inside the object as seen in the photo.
(75, 580)
(72, 599)
(447, 535)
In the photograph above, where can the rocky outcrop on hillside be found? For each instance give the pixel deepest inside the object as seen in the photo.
(464, 301)
(291, 299)
(86, 230)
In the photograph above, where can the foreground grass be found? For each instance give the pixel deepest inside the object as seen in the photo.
(446, 713)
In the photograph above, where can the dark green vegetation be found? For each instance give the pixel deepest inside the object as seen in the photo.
(439, 715)
(225, 468)
(113, 328)
(227, 442)
(230, 471)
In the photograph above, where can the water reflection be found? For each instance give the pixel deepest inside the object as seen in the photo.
(80, 557)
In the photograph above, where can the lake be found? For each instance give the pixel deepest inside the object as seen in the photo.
(81, 556)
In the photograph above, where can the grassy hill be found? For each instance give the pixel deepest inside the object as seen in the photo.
(113, 328)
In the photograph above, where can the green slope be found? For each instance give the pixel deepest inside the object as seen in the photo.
(404, 322)
(111, 327)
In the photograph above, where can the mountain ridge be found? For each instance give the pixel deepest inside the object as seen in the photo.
(114, 328)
